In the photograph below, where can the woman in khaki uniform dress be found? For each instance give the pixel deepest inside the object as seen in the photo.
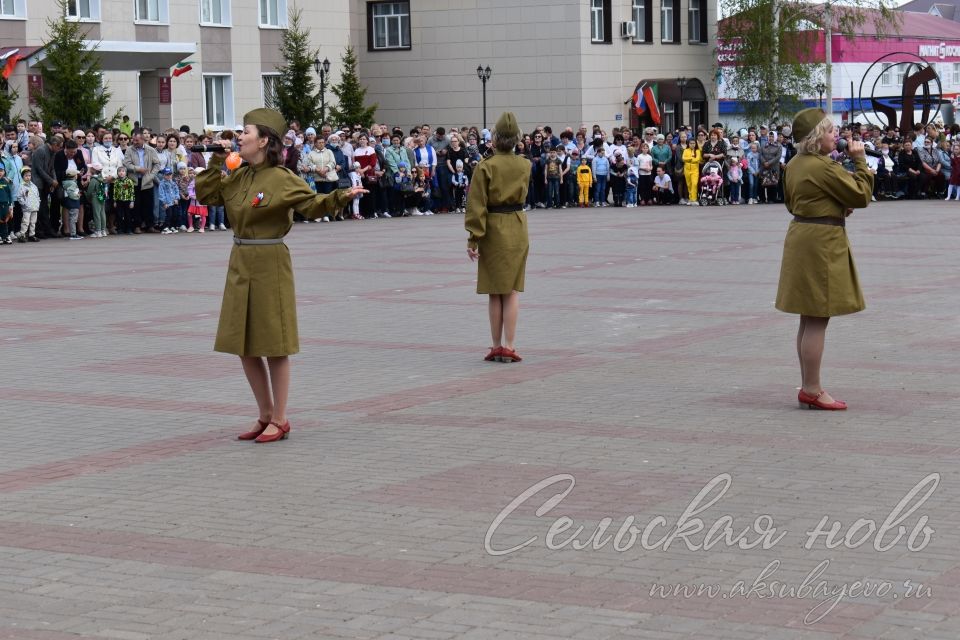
(258, 318)
(818, 278)
(498, 234)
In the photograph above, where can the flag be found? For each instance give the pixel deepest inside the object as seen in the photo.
(638, 103)
(182, 68)
(650, 100)
(12, 59)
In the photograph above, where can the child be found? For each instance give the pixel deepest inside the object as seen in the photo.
(29, 199)
(712, 180)
(735, 178)
(71, 201)
(584, 181)
(196, 210)
(182, 181)
(169, 201)
(123, 194)
(552, 179)
(662, 186)
(421, 192)
(564, 160)
(645, 185)
(356, 180)
(601, 171)
(633, 179)
(403, 182)
(954, 174)
(6, 207)
(460, 184)
(691, 170)
(753, 172)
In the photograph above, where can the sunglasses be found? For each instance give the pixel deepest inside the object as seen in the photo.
(123, 138)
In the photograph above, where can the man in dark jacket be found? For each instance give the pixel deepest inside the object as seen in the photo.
(67, 158)
(45, 177)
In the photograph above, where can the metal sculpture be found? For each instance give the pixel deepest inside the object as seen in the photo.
(918, 75)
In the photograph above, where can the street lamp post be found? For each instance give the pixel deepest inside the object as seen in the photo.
(681, 83)
(484, 75)
(322, 69)
(820, 89)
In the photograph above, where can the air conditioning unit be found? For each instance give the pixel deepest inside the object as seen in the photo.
(628, 29)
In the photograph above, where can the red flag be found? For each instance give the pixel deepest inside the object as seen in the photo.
(11, 63)
(179, 71)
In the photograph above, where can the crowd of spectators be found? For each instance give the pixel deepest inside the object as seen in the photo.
(130, 179)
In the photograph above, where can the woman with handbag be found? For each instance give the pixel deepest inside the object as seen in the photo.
(258, 318)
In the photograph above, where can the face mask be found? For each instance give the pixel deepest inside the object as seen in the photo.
(385, 141)
(333, 145)
(107, 144)
(886, 152)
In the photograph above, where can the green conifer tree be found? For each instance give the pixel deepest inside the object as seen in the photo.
(74, 90)
(350, 95)
(295, 96)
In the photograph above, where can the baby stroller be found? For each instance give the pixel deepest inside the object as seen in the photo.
(711, 184)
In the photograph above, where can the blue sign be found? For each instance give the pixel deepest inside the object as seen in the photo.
(619, 116)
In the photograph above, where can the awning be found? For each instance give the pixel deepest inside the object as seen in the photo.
(131, 55)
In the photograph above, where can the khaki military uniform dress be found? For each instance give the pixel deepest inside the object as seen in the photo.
(497, 223)
(259, 312)
(818, 276)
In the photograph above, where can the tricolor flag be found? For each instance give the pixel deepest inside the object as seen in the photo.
(10, 62)
(182, 68)
(638, 104)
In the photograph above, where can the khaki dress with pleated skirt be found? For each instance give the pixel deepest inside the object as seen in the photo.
(258, 316)
(499, 181)
(817, 275)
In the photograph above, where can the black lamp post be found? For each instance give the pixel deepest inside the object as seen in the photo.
(484, 75)
(681, 83)
(820, 89)
(322, 69)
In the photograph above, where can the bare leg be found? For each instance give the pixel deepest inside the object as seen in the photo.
(256, 372)
(280, 381)
(811, 354)
(511, 311)
(495, 309)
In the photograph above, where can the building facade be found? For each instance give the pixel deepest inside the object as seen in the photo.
(557, 62)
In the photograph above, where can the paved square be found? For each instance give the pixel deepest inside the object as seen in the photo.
(654, 363)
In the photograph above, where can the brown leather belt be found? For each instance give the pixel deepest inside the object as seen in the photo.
(830, 220)
(505, 208)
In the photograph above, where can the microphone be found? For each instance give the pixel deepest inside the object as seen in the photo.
(842, 147)
(216, 148)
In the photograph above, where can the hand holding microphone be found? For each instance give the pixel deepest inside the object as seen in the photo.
(221, 146)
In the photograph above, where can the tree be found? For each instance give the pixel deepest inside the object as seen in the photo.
(8, 98)
(295, 97)
(74, 90)
(350, 95)
(770, 42)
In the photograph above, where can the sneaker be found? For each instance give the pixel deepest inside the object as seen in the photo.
(33, 239)
(183, 227)
(165, 231)
(200, 229)
(416, 212)
(212, 227)
(21, 238)
(526, 207)
(74, 237)
(428, 212)
(325, 219)
(190, 230)
(223, 227)
(385, 215)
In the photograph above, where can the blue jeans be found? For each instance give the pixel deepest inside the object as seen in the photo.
(215, 215)
(754, 181)
(631, 194)
(734, 192)
(553, 192)
(600, 192)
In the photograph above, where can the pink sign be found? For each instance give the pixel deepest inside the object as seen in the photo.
(165, 90)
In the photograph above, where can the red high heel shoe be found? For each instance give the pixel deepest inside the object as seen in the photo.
(282, 431)
(250, 435)
(808, 401)
(494, 354)
(509, 355)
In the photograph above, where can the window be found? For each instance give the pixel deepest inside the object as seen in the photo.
(697, 21)
(886, 76)
(668, 117)
(152, 11)
(217, 101)
(215, 12)
(13, 8)
(273, 13)
(696, 114)
(956, 73)
(83, 9)
(667, 32)
(596, 20)
(388, 25)
(270, 82)
(642, 20)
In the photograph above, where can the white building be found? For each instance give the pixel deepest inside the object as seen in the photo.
(559, 62)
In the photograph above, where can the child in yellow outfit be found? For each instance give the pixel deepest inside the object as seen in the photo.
(691, 169)
(584, 181)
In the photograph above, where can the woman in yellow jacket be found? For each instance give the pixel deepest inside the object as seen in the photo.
(691, 169)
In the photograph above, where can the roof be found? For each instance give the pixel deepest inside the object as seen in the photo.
(946, 9)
